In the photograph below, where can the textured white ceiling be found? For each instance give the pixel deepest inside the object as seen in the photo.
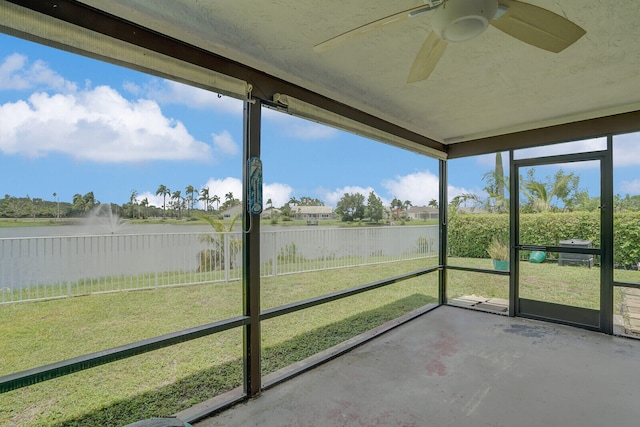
(487, 86)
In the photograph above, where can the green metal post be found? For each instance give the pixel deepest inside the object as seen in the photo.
(251, 255)
(514, 224)
(443, 226)
(606, 240)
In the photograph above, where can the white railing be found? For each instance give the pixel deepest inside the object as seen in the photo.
(35, 268)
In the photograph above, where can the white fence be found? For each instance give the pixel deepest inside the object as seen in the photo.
(34, 268)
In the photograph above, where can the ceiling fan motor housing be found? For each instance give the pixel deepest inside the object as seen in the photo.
(460, 20)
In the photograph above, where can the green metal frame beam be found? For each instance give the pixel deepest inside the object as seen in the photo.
(251, 253)
(312, 302)
(66, 367)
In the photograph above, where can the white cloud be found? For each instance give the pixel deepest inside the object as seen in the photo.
(170, 92)
(12, 75)
(220, 188)
(626, 150)
(277, 192)
(299, 128)
(419, 187)
(630, 187)
(132, 88)
(16, 73)
(152, 198)
(452, 192)
(96, 124)
(224, 143)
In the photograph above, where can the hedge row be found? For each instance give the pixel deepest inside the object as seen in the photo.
(470, 234)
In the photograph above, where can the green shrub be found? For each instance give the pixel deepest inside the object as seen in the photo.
(471, 234)
(498, 250)
(289, 253)
(626, 239)
(214, 257)
(425, 244)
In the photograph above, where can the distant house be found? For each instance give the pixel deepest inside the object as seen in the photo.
(232, 211)
(312, 213)
(422, 212)
(397, 212)
(305, 213)
(271, 213)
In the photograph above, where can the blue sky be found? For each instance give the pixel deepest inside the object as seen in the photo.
(70, 125)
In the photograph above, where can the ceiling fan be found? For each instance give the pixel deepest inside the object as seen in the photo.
(460, 20)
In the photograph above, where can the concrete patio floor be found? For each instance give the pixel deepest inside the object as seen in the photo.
(459, 367)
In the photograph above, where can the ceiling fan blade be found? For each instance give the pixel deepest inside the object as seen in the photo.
(371, 26)
(537, 26)
(427, 59)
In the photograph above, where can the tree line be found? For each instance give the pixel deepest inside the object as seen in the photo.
(560, 192)
(175, 204)
(178, 204)
(352, 207)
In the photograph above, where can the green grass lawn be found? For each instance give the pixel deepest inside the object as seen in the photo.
(569, 285)
(30, 222)
(169, 380)
(166, 381)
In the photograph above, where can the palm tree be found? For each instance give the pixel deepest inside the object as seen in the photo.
(162, 189)
(293, 201)
(204, 197)
(133, 199)
(229, 196)
(433, 203)
(83, 204)
(499, 171)
(190, 190)
(404, 207)
(216, 199)
(90, 201)
(145, 204)
(541, 194)
(55, 196)
(538, 196)
(77, 200)
(177, 196)
(462, 199)
(396, 207)
(497, 184)
(214, 257)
